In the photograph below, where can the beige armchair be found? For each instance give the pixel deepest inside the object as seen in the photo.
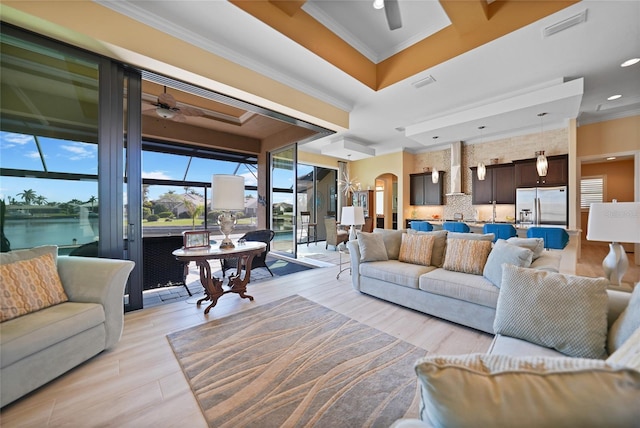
(335, 236)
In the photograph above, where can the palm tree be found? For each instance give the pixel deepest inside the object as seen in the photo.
(27, 196)
(91, 201)
(40, 200)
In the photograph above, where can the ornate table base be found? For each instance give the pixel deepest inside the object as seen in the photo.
(213, 287)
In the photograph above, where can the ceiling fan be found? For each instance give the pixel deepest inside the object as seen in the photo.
(391, 10)
(167, 108)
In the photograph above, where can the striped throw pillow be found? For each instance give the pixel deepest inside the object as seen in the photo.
(466, 255)
(416, 249)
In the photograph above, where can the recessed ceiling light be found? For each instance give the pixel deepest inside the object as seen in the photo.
(629, 62)
(614, 97)
(611, 158)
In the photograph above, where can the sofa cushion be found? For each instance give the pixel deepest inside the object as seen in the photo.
(470, 235)
(466, 255)
(395, 272)
(392, 240)
(506, 345)
(564, 312)
(549, 261)
(29, 285)
(372, 247)
(462, 286)
(27, 335)
(497, 391)
(416, 249)
(628, 322)
(439, 245)
(503, 252)
(534, 244)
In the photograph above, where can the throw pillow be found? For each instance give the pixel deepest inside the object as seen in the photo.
(504, 391)
(627, 322)
(534, 244)
(392, 240)
(439, 245)
(466, 255)
(32, 253)
(504, 252)
(28, 286)
(628, 354)
(372, 247)
(416, 249)
(564, 312)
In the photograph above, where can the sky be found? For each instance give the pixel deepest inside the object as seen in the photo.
(19, 151)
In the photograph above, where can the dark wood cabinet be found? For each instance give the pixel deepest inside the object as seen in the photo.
(557, 172)
(498, 185)
(423, 191)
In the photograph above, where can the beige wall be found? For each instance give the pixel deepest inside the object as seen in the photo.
(619, 185)
(613, 136)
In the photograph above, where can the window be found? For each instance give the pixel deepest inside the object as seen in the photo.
(591, 190)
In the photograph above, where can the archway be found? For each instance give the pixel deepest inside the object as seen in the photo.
(386, 190)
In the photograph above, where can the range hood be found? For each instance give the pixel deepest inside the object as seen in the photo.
(456, 169)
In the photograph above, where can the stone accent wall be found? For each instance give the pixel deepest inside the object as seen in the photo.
(556, 142)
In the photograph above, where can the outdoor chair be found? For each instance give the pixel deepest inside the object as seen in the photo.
(335, 236)
(305, 220)
(262, 235)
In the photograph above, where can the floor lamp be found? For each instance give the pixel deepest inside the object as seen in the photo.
(352, 216)
(614, 222)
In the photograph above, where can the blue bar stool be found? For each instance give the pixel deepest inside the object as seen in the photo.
(501, 231)
(554, 237)
(455, 226)
(422, 226)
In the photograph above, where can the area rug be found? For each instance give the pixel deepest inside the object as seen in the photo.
(295, 363)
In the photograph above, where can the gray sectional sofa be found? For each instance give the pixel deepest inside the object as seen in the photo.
(39, 346)
(463, 298)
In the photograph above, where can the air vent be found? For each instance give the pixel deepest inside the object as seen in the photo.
(567, 23)
(423, 82)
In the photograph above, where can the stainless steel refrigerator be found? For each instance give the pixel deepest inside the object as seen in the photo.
(547, 205)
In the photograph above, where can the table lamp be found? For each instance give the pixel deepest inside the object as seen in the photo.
(352, 216)
(614, 222)
(227, 196)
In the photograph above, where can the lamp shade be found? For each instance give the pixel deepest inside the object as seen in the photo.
(227, 192)
(614, 222)
(352, 216)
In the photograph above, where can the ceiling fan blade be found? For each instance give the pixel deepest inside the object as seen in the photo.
(167, 99)
(392, 11)
(191, 111)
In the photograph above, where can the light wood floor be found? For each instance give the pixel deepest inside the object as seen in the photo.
(139, 382)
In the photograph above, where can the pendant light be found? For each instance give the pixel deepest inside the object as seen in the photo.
(541, 162)
(482, 169)
(435, 175)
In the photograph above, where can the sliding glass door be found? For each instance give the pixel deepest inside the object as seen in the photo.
(283, 202)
